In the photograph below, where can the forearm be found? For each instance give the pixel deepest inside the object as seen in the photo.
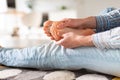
(104, 40)
(89, 41)
(89, 22)
(102, 22)
(85, 41)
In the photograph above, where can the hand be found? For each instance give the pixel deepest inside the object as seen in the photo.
(72, 40)
(69, 22)
(83, 32)
(84, 23)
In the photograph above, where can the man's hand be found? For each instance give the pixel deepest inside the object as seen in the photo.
(89, 22)
(72, 40)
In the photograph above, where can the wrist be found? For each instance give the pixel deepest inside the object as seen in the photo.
(86, 41)
(89, 22)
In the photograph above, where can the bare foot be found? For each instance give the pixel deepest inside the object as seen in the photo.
(46, 28)
(57, 32)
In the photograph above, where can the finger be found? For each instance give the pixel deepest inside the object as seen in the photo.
(63, 43)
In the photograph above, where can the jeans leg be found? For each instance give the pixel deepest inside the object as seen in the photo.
(52, 56)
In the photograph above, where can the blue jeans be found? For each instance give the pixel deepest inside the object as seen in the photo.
(52, 56)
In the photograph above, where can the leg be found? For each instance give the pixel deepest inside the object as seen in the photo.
(52, 56)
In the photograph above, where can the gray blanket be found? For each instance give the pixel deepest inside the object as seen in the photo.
(35, 74)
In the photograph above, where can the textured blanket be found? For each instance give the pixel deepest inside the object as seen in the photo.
(8, 73)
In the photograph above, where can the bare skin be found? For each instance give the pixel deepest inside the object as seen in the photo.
(57, 32)
(79, 37)
(46, 28)
(72, 40)
(89, 22)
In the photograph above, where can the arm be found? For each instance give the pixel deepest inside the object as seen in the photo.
(104, 40)
(81, 23)
(108, 20)
(100, 23)
(108, 39)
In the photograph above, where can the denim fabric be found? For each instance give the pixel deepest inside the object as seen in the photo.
(52, 56)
